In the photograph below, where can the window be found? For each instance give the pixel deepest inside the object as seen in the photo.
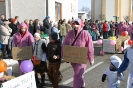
(58, 11)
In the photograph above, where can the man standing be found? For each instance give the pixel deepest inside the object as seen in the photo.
(47, 25)
(105, 30)
(2, 19)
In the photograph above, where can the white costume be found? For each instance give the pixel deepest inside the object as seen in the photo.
(112, 79)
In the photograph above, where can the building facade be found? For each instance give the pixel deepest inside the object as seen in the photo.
(107, 9)
(38, 9)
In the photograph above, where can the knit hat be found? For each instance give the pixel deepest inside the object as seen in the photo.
(54, 36)
(13, 20)
(38, 35)
(47, 17)
(116, 61)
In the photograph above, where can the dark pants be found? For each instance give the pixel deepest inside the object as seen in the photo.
(105, 35)
(53, 69)
(5, 50)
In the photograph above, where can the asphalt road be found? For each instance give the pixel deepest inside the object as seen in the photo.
(92, 75)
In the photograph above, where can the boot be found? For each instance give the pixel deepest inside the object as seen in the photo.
(42, 84)
(37, 80)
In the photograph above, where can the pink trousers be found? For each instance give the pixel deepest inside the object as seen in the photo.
(79, 70)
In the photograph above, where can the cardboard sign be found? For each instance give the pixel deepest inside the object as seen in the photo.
(21, 53)
(118, 44)
(75, 54)
(107, 47)
(25, 81)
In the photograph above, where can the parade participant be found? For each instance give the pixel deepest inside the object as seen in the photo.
(128, 61)
(5, 32)
(121, 27)
(54, 58)
(39, 59)
(22, 38)
(111, 73)
(130, 29)
(81, 38)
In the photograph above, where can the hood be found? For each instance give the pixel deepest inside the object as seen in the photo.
(81, 24)
(22, 25)
(116, 61)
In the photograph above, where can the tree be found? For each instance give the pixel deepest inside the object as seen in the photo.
(86, 10)
(102, 17)
(126, 18)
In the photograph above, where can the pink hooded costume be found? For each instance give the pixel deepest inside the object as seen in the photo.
(122, 27)
(84, 40)
(26, 40)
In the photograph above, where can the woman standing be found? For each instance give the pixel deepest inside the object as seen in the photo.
(63, 30)
(22, 38)
(40, 65)
(83, 40)
(128, 61)
(13, 26)
(37, 26)
(68, 26)
(5, 32)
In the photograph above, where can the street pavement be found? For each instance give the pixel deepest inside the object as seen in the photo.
(93, 74)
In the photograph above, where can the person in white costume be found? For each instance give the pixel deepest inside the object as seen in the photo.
(111, 73)
(128, 61)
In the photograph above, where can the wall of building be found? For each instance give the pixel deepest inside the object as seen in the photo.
(98, 8)
(26, 9)
(125, 8)
(66, 9)
(2, 8)
(110, 10)
(82, 16)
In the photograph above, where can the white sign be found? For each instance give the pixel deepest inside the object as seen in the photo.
(126, 45)
(25, 81)
(107, 47)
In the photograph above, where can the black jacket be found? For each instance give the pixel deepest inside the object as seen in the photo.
(47, 27)
(54, 49)
(14, 28)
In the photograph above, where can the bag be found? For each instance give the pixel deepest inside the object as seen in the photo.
(35, 62)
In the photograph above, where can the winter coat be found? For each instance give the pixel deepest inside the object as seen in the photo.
(84, 40)
(47, 27)
(38, 49)
(105, 27)
(5, 33)
(55, 30)
(54, 49)
(63, 30)
(121, 28)
(129, 30)
(68, 27)
(14, 28)
(31, 29)
(19, 41)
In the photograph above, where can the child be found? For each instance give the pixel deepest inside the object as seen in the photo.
(54, 58)
(111, 73)
(39, 59)
(10, 47)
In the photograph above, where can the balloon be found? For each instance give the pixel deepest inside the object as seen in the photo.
(112, 42)
(3, 66)
(101, 53)
(121, 49)
(26, 66)
(99, 42)
(130, 42)
(112, 38)
(124, 33)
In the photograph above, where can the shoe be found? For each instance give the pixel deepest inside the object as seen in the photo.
(5, 57)
(42, 85)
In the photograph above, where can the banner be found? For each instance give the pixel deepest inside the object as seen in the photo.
(25, 81)
(21, 53)
(75, 54)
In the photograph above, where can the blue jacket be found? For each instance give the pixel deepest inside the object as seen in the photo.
(124, 64)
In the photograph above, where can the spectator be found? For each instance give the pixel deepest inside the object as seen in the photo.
(17, 19)
(31, 27)
(63, 31)
(47, 25)
(13, 26)
(5, 32)
(105, 30)
(2, 18)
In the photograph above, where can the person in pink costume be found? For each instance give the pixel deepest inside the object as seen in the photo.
(84, 40)
(130, 29)
(122, 27)
(22, 38)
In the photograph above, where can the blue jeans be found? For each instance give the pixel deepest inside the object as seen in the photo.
(94, 37)
(62, 38)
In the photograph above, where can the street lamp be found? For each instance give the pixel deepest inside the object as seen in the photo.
(116, 18)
